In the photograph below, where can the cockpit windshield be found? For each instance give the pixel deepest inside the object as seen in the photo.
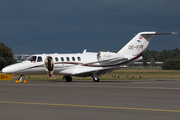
(32, 59)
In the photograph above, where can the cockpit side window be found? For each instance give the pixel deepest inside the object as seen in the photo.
(32, 59)
(39, 59)
(98, 55)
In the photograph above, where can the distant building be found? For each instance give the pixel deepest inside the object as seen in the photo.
(148, 64)
(21, 57)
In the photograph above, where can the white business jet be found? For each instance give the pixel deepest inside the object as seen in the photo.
(83, 64)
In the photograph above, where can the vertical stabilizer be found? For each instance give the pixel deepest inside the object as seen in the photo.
(139, 43)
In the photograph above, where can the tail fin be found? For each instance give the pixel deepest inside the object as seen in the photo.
(139, 43)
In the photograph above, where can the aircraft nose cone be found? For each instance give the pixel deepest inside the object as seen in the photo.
(8, 69)
(5, 70)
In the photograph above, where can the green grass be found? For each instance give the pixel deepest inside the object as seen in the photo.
(121, 74)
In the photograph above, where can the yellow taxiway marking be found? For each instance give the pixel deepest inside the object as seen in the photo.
(91, 106)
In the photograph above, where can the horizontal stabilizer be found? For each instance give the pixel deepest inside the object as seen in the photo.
(172, 33)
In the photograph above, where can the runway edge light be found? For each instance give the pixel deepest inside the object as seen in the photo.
(5, 77)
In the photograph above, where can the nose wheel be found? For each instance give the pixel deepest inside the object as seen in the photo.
(21, 79)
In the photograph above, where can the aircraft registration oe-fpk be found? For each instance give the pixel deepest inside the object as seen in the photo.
(83, 64)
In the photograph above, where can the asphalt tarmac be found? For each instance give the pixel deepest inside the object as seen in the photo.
(87, 100)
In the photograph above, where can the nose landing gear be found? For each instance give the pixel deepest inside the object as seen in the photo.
(21, 79)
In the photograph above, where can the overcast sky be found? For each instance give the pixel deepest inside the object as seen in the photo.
(70, 26)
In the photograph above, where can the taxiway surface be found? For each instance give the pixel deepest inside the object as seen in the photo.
(86, 100)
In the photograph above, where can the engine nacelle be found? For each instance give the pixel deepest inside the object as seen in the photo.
(109, 56)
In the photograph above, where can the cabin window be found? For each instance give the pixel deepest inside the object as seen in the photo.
(32, 59)
(56, 59)
(73, 58)
(39, 59)
(62, 59)
(67, 58)
(79, 58)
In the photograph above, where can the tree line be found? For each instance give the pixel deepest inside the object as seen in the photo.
(161, 56)
(6, 56)
(170, 58)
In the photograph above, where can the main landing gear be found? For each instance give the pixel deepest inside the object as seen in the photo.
(68, 78)
(95, 78)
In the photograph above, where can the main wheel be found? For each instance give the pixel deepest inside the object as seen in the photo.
(95, 79)
(68, 78)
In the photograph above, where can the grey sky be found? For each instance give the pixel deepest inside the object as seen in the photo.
(63, 26)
